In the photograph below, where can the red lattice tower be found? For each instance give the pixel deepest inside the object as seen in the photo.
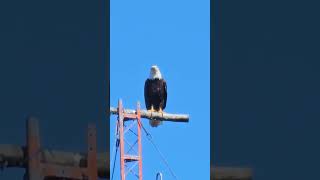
(130, 123)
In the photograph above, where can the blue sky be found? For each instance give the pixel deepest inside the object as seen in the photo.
(175, 36)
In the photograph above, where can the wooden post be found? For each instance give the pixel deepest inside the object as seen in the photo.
(155, 115)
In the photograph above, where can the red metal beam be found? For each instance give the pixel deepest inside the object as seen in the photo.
(122, 157)
(139, 140)
(125, 158)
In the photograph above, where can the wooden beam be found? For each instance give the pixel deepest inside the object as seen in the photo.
(230, 173)
(14, 156)
(155, 115)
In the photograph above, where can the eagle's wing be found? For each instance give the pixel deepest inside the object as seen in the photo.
(164, 94)
(146, 94)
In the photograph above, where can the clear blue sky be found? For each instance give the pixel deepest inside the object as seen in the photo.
(175, 36)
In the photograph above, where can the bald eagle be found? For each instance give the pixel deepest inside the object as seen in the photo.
(155, 93)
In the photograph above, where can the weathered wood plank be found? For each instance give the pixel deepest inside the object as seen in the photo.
(155, 115)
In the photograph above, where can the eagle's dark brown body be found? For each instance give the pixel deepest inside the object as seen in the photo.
(155, 94)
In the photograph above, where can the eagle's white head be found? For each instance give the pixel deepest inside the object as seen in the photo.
(155, 73)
